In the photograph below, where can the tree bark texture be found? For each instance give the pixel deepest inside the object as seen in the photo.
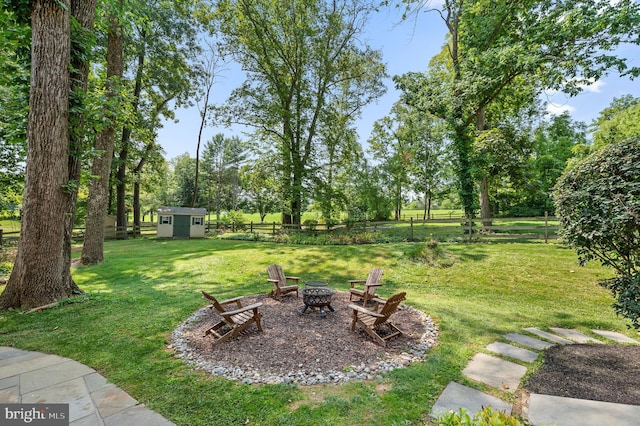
(93, 247)
(485, 206)
(36, 279)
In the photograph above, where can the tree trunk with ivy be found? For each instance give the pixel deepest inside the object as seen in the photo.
(37, 276)
(93, 247)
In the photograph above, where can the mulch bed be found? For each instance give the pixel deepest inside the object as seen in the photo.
(598, 372)
(291, 341)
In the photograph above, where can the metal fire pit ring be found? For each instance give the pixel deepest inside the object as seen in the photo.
(317, 297)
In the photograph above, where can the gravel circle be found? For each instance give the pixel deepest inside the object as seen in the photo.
(302, 348)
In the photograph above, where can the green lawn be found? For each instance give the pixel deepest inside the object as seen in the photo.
(146, 288)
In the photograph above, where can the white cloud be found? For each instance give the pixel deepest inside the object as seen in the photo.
(594, 87)
(558, 109)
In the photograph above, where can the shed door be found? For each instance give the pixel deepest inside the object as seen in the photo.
(181, 224)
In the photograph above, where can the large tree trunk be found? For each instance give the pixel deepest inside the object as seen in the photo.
(37, 277)
(93, 248)
(84, 12)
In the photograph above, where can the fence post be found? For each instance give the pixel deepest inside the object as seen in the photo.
(411, 227)
(274, 228)
(470, 228)
(546, 227)
(0, 237)
(251, 228)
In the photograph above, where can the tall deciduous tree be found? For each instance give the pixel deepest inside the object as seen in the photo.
(37, 276)
(492, 43)
(92, 248)
(222, 158)
(301, 58)
(259, 182)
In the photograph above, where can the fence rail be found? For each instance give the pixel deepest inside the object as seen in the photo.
(527, 228)
(532, 228)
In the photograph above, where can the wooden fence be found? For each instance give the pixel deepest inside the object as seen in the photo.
(458, 229)
(529, 228)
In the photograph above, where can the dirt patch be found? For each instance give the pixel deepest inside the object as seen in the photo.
(304, 344)
(598, 372)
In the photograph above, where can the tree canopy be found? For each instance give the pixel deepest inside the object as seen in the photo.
(304, 65)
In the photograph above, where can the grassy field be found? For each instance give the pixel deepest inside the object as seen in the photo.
(146, 288)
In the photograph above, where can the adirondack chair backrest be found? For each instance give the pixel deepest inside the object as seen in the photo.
(375, 276)
(218, 307)
(276, 273)
(390, 307)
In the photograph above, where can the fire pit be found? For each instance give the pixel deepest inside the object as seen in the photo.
(317, 297)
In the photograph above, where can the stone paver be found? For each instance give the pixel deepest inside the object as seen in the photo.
(136, 416)
(528, 341)
(73, 392)
(549, 336)
(25, 363)
(549, 410)
(540, 409)
(618, 337)
(575, 335)
(111, 400)
(513, 351)
(52, 375)
(456, 396)
(495, 372)
(36, 378)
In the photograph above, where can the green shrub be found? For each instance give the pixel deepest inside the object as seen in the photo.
(485, 417)
(235, 220)
(432, 254)
(598, 203)
(5, 268)
(310, 225)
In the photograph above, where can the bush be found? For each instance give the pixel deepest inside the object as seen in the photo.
(235, 220)
(598, 203)
(432, 254)
(485, 417)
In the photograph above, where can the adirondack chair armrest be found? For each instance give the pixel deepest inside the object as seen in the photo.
(354, 282)
(365, 311)
(235, 300)
(243, 309)
(293, 278)
(269, 280)
(375, 285)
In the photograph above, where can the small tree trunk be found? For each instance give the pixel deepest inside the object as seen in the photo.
(485, 207)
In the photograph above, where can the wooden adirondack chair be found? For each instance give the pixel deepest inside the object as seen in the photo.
(371, 284)
(234, 321)
(279, 281)
(373, 321)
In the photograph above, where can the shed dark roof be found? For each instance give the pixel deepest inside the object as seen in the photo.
(181, 210)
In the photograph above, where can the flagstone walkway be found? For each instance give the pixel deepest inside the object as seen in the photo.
(499, 371)
(37, 378)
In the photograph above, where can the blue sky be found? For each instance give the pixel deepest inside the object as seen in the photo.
(406, 46)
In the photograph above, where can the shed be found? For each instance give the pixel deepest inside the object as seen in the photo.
(181, 222)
